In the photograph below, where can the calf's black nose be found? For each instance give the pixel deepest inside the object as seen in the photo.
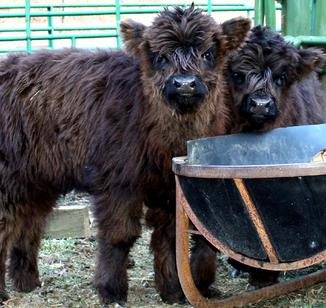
(184, 84)
(260, 105)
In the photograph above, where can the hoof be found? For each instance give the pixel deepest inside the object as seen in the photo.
(176, 298)
(131, 263)
(235, 273)
(3, 296)
(107, 296)
(26, 283)
(211, 293)
(259, 284)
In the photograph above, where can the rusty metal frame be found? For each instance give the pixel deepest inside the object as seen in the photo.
(183, 213)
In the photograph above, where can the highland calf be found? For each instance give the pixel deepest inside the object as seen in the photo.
(109, 123)
(273, 84)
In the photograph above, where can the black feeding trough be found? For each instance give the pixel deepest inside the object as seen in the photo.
(257, 197)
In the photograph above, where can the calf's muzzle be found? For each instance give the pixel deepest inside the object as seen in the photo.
(185, 92)
(259, 107)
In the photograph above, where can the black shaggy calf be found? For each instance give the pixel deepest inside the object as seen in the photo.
(109, 123)
(273, 84)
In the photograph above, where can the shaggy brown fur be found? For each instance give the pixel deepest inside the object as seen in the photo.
(286, 78)
(109, 123)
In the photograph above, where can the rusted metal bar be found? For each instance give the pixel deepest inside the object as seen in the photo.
(278, 289)
(193, 232)
(255, 218)
(182, 252)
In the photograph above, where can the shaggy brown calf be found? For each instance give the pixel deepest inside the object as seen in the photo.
(273, 84)
(109, 123)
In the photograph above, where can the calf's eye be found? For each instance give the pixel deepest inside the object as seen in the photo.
(159, 61)
(280, 80)
(208, 56)
(238, 78)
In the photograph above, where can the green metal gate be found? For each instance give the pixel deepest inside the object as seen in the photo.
(50, 32)
(304, 24)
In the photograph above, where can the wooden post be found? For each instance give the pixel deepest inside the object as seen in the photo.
(69, 221)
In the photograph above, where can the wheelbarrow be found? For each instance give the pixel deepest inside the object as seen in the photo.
(257, 198)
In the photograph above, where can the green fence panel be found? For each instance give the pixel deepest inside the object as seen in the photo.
(117, 19)
(304, 24)
(304, 17)
(265, 13)
(297, 17)
(269, 6)
(51, 33)
(50, 26)
(321, 18)
(259, 12)
(28, 25)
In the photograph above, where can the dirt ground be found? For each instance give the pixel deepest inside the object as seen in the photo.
(67, 267)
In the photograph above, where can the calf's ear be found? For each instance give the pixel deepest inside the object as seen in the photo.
(235, 31)
(132, 35)
(310, 59)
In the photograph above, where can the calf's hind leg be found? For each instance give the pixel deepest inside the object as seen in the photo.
(118, 226)
(23, 267)
(6, 235)
(203, 264)
(258, 278)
